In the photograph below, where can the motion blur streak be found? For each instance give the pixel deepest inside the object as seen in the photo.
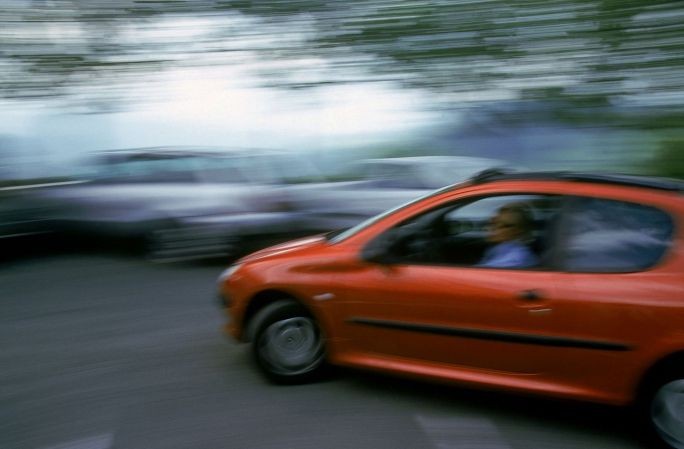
(140, 132)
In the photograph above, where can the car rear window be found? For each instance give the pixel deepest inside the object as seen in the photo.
(614, 236)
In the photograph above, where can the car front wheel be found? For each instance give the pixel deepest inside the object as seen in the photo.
(288, 345)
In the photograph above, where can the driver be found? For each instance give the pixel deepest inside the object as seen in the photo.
(509, 232)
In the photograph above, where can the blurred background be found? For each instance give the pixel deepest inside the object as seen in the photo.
(185, 130)
(560, 84)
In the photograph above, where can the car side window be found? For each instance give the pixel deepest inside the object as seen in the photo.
(603, 235)
(462, 234)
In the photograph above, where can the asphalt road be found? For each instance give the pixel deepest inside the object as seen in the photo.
(112, 352)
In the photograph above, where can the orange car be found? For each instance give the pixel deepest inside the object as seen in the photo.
(570, 285)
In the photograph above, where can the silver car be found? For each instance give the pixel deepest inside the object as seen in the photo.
(181, 203)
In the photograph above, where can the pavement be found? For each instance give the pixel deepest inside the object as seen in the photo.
(107, 351)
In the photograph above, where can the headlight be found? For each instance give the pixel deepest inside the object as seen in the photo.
(227, 273)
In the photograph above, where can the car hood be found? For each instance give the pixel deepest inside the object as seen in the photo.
(294, 246)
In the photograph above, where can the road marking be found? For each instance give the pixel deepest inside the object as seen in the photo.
(463, 432)
(103, 441)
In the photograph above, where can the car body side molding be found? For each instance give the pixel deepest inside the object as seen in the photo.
(480, 334)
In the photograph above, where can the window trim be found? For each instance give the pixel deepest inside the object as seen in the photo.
(554, 260)
(554, 235)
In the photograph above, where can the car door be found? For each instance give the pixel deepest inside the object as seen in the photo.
(447, 311)
(613, 306)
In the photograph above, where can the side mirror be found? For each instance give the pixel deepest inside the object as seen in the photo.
(384, 248)
(376, 254)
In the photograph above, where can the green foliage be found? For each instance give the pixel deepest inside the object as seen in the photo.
(591, 53)
(669, 159)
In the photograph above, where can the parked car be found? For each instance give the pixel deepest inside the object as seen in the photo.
(423, 172)
(18, 218)
(179, 202)
(599, 317)
(375, 185)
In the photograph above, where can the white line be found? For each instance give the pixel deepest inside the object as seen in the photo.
(48, 184)
(462, 432)
(103, 441)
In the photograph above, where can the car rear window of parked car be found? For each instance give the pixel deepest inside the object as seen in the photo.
(614, 236)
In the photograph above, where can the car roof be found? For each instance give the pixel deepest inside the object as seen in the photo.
(169, 152)
(651, 182)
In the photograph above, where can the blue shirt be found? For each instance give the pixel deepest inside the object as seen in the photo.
(513, 254)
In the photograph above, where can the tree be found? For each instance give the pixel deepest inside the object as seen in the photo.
(592, 53)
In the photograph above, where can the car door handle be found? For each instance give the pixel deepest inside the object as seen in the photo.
(530, 295)
(544, 311)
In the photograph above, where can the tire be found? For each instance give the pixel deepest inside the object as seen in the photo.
(663, 410)
(287, 344)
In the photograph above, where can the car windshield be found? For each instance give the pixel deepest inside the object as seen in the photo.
(281, 168)
(339, 236)
(163, 168)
